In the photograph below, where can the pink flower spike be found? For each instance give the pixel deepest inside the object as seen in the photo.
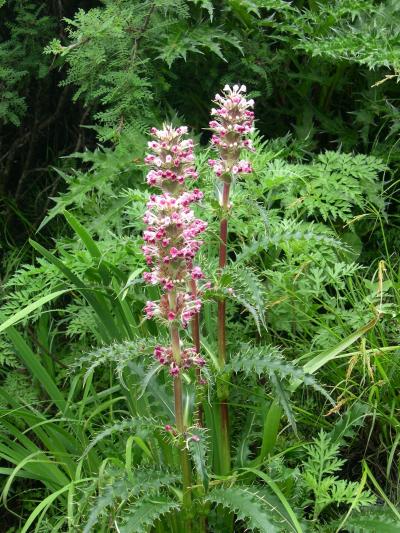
(171, 160)
(171, 241)
(232, 123)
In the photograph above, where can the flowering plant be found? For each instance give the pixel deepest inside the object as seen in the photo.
(172, 241)
(207, 450)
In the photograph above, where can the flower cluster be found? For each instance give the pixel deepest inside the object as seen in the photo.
(171, 241)
(232, 123)
(172, 159)
(185, 308)
(189, 358)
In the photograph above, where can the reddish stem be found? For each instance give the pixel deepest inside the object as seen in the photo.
(223, 233)
(224, 412)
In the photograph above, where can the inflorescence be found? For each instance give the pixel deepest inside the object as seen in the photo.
(231, 126)
(172, 238)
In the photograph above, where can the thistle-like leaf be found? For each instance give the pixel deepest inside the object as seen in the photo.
(133, 424)
(119, 487)
(118, 353)
(373, 520)
(258, 513)
(144, 513)
(269, 360)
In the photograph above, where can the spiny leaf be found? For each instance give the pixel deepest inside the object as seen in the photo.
(119, 353)
(144, 513)
(283, 399)
(103, 501)
(282, 235)
(373, 520)
(120, 487)
(268, 360)
(133, 424)
(254, 510)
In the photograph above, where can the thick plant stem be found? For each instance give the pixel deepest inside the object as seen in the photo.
(195, 319)
(180, 423)
(195, 326)
(223, 234)
(185, 464)
(225, 457)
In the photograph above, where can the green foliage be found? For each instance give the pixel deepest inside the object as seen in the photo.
(21, 56)
(254, 509)
(198, 450)
(143, 503)
(370, 24)
(268, 361)
(146, 512)
(142, 424)
(321, 480)
(312, 276)
(117, 354)
(135, 41)
(336, 187)
(374, 519)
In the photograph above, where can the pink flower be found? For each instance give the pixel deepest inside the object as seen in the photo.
(197, 273)
(174, 369)
(191, 308)
(150, 309)
(171, 239)
(189, 359)
(199, 361)
(232, 123)
(172, 160)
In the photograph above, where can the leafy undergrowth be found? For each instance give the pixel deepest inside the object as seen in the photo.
(87, 430)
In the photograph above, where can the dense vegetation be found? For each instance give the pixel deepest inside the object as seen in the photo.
(311, 287)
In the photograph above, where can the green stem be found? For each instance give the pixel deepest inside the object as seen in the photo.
(180, 422)
(225, 455)
(195, 326)
(184, 457)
